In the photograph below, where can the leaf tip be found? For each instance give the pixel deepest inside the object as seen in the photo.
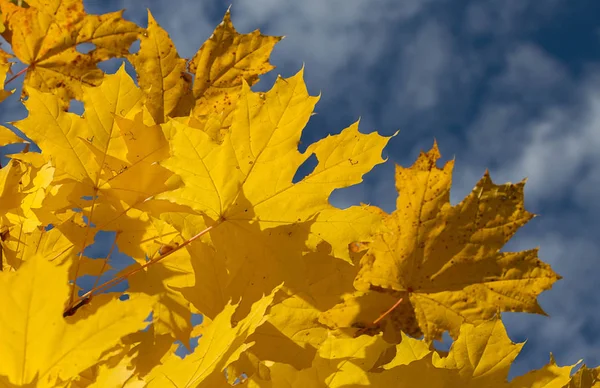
(151, 19)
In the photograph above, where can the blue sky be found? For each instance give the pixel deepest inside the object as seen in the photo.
(509, 85)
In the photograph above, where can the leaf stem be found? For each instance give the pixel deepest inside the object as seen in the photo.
(123, 277)
(85, 237)
(387, 312)
(16, 75)
(376, 321)
(112, 247)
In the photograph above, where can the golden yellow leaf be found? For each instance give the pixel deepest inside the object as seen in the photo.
(207, 165)
(292, 334)
(585, 378)
(160, 72)
(171, 311)
(38, 344)
(340, 362)
(117, 374)
(59, 244)
(10, 191)
(444, 260)
(221, 344)
(4, 68)
(407, 351)
(45, 36)
(244, 188)
(9, 137)
(148, 349)
(247, 365)
(550, 376)
(62, 136)
(482, 355)
(23, 187)
(35, 185)
(221, 66)
(105, 160)
(419, 373)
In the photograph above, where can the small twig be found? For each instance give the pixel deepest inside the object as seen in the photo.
(387, 312)
(376, 321)
(85, 297)
(83, 301)
(16, 75)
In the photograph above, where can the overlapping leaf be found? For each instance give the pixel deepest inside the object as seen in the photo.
(196, 151)
(161, 72)
(444, 260)
(105, 160)
(243, 187)
(221, 344)
(223, 64)
(8, 137)
(39, 346)
(585, 378)
(45, 36)
(4, 68)
(105, 164)
(481, 357)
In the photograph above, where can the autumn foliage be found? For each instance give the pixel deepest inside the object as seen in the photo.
(194, 174)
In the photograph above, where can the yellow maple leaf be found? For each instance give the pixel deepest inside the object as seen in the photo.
(292, 334)
(148, 350)
(4, 68)
(118, 374)
(171, 311)
(482, 355)
(585, 378)
(444, 260)
(34, 185)
(45, 36)
(9, 137)
(59, 244)
(105, 164)
(549, 376)
(340, 362)
(221, 66)
(39, 345)
(160, 72)
(221, 344)
(105, 160)
(243, 188)
(23, 187)
(407, 351)
(62, 136)
(10, 190)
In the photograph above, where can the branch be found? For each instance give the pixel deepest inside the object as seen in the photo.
(85, 298)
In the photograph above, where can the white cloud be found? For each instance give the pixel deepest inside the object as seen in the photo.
(425, 61)
(539, 122)
(558, 145)
(329, 36)
(531, 73)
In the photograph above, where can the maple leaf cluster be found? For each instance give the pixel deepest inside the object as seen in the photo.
(194, 174)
